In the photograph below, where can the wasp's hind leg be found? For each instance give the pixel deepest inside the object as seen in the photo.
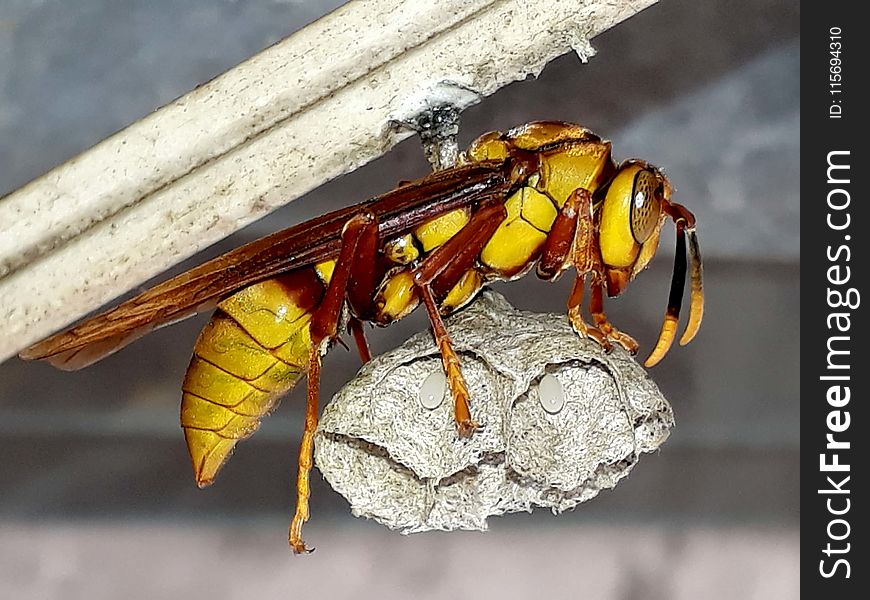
(356, 254)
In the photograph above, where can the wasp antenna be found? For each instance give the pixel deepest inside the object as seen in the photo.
(675, 300)
(696, 308)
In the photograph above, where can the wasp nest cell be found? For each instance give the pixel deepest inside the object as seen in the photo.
(560, 421)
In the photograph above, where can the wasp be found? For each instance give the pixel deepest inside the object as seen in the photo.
(546, 194)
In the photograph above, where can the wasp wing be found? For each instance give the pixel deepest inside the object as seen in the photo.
(316, 240)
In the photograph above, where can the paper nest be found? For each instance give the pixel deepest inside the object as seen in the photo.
(404, 465)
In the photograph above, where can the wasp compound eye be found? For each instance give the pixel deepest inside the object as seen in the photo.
(645, 205)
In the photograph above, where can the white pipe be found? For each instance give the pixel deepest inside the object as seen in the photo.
(308, 109)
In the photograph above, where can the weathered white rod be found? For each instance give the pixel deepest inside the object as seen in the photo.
(306, 110)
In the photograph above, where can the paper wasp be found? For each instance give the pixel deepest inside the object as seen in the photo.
(546, 194)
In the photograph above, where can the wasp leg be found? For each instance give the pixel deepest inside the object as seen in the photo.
(355, 328)
(572, 241)
(306, 451)
(452, 368)
(324, 328)
(366, 272)
(586, 256)
(443, 269)
(556, 255)
(596, 307)
(575, 315)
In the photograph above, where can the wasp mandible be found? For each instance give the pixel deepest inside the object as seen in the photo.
(545, 193)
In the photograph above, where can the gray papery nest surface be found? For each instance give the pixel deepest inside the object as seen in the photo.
(404, 465)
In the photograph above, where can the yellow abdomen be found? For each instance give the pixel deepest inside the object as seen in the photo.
(252, 352)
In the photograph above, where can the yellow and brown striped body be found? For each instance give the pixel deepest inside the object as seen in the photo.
(252, 352)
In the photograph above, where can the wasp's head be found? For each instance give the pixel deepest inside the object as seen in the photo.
(634, 207)
(630, 220)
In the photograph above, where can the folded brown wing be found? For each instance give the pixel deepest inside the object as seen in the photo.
(203, 287)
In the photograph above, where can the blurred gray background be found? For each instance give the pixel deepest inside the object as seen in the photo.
(96, 495)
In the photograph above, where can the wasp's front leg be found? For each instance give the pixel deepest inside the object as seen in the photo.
(572, 241)
(596, 307)
(587, 259)
(575, 315)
